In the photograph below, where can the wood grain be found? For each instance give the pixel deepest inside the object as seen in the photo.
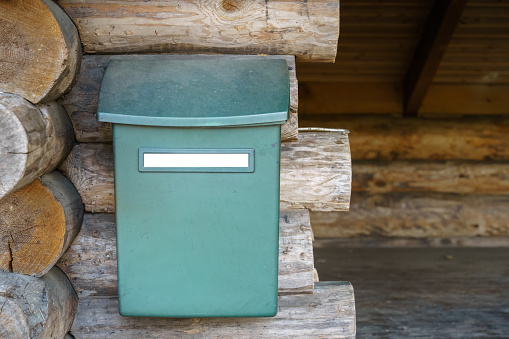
(329, 312)
(386, 138)
(462, 177)
(40, 49)
(417, 215)
(35, 140)
(91, 264)
(37, 224)
(36, 307)
(315, 173)
(81, 101)
(307, 29)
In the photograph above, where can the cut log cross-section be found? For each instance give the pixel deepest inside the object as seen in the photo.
(38, 223)
(306, 29)
(91, 261)
(40, 52)
(81, 101)
(36, 307)
(35, 140)
(315, 173)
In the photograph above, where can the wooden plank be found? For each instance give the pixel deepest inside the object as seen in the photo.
(465, 177)
(91, 262)
(315, 173)
(418, 215)
(408, 242)
(386, 138)
(438, 31)
(81, 102)
(329, 312)
(308, 30)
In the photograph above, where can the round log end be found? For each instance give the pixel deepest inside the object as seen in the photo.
(37, 224)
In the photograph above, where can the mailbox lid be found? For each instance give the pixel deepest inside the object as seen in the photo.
(196, 91)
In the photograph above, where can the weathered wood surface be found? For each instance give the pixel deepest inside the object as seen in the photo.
(307, 29)
(91, 262)
(416, 215)
(403, 293)
(472, 177)
(38, 223)
(329, 312)
(35, 140)
(40, 51)
(315, 173)
(36, 307)
(409, 242)
(386, 138)
(81, 101)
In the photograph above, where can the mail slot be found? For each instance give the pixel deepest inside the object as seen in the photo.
(196, 158)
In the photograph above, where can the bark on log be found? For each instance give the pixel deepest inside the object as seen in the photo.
(91, 261)
(40, 52)
(35, 140)
(329, 312)
(470, 177)
(36, 307)
(307, 29)
(386, 138)
(315, 173)
(81, 101)
(416, 215)
(38, 223)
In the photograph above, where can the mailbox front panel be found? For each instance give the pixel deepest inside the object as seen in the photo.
(197, 220)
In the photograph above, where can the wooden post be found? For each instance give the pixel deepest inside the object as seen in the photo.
(40, 52)
(36, 307)
(38, 223)
(35, 140)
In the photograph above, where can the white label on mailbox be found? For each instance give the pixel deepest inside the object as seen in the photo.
(217, 160)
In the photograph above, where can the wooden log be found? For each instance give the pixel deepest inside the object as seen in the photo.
(34, 141)
(386, 138)
(329, 312)
(91, 261)
(472, 177)
(36, 307)
(81, 101)
(309, 30)
(417, 215)
(315, 173)
(40, 51)
(38, 223)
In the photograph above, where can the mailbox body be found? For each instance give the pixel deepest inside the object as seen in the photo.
(195, 240)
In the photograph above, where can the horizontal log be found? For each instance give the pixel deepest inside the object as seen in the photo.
(329, 312)
(38, 223)
(308, 30)
(35, 140)
(36, 307)
(472, 177)
(315, 173)
(91, 261)
(409, 242)
(40, 51)
(417, 215)
(386, 138)
(81, 101)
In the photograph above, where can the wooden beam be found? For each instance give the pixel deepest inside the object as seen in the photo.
(385, 138)
(40, 51)
(441, 23)
(91, 261)
(315, 173)
(418, 215)
(306, 29)
(81, 101)
(329, 312)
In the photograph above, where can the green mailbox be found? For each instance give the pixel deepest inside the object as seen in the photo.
(196, 152)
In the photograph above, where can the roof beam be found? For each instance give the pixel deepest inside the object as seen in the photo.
(438, 30)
